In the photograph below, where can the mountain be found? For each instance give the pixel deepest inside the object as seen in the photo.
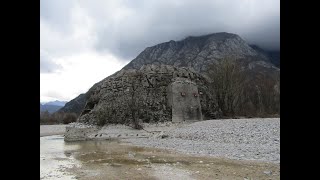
(52, 106)
(56, 103)
(76, 105)
(273, 55)
(199, 52)
(49, 108)
(193, 53)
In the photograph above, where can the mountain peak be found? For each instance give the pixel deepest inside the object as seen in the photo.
(196, 51)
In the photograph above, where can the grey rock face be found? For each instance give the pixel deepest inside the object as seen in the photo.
(112, 97)
(197, 52)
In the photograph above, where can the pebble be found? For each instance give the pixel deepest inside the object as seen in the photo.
(267, 172)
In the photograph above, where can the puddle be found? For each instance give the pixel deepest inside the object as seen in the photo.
(111, 159)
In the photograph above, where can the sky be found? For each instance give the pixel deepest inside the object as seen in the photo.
(83, 41)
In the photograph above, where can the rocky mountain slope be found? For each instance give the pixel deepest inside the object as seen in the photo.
(76, 105)
(199, 52)
(273, 55)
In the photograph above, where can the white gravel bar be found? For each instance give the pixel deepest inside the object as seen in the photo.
(243, 139)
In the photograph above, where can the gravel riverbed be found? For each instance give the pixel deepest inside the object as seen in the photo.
(243, 139)
(255, 139)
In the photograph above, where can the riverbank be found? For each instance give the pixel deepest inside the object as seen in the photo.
(255, 139)
(49, 130)
(218, 149)
(112, 159)
(239, 139)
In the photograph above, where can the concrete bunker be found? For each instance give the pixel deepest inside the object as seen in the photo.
(184, 100)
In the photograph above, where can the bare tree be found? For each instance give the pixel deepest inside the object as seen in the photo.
(239, 91)
(228, 81)
(135, 103)
(269, 93)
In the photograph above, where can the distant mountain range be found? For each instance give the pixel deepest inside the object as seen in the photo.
(52, 106)
(56, 103)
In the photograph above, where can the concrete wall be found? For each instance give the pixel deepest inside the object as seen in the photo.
(184, 100)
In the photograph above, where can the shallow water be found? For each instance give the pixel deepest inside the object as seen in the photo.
(111, 159)
(53, 160)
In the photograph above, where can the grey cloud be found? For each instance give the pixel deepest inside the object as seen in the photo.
(268, 35)
(158, 21)
(152, 21)
(57, 13)
(55, 95)
(47, 65)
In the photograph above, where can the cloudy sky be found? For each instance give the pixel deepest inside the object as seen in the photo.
(84, 41)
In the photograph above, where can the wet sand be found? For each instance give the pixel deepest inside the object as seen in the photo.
(112, 159)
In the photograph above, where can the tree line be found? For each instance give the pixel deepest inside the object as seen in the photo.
(242, 92)
(57, 118)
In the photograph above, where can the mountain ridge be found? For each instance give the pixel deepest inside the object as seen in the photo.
(197, 51)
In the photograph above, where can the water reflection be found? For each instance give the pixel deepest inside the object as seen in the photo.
(53, 160)
(112, 159)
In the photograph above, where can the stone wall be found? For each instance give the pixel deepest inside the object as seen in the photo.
(79, 133)
(113, 97)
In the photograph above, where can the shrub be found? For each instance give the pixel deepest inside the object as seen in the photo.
(102, 116)
(57, 118)
(69, 118)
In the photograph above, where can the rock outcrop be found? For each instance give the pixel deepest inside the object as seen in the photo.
(145, 92)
